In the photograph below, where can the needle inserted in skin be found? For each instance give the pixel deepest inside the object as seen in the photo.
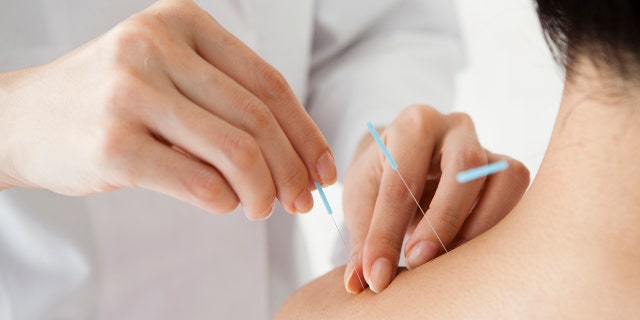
(330, 212)
(462, 177)
(394, 166)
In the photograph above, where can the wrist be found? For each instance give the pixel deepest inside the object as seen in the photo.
(7, 81)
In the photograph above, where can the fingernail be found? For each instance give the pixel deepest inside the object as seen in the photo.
(380, 275)
(269, 212)
(351, 281)
(422, 252)
(304, 203)
(326, 169)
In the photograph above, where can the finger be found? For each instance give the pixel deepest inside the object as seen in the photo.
(234, 153)
(360, 192)
(502, 192)
(410, 139)
(155, 166)
(429, 190)
(452, 201)
(235, 59)
(213, 90)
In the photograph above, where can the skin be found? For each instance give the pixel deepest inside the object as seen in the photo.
(567, 250)
(430, 148)
(170, 101)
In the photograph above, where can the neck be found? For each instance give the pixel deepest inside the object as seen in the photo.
(590, 176)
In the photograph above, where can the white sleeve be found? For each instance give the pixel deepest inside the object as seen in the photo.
(371, 61)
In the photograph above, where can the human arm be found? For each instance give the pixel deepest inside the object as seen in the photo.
(170, 101)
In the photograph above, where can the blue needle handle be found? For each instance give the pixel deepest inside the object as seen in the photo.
(479, 172)
(324, 198)
(375, 135)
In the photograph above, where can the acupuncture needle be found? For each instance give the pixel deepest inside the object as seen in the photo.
(394, 166)
(462, 177)
(330, 213)
(482, 171)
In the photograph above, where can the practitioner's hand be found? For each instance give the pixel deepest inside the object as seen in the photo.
(430, 149)
(170, 101)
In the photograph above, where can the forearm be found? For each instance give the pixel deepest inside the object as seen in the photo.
(7, 90)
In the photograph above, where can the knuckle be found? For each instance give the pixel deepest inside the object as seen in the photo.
(208, 188)
(117, 152)
(240, 149)
(112, 145)
(136, 37)
(461, 118)
(471, 156)
(271, 84)
(421, 118)
(119, 92)
(519, 174)
(398, 193)
(449, 222)
(296, 178)
(227, 39)
(255, 115)
(207, 80)
(420, 111)
(182, 10)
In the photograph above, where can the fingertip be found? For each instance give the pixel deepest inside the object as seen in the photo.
(304, 202)
(352, 281)
(326, 169)
(261, 216)
(421, 253)
(269, 212)
(251, 218)
(380, 275)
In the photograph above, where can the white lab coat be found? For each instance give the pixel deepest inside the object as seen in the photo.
(134, 254)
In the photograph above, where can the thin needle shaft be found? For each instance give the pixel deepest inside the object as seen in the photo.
(347, 248)
(394, 166)
(330, 213)
(423, 213)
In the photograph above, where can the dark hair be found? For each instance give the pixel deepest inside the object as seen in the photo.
(605, 31)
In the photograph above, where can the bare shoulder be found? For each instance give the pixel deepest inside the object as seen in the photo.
(326, 298)
(318, 298)
(478, 280)
(430, 291)
(507, 273)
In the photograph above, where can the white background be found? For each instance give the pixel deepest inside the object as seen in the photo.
(510, 86)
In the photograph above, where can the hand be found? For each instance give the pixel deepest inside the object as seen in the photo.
(170, 101)
(430, 149)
